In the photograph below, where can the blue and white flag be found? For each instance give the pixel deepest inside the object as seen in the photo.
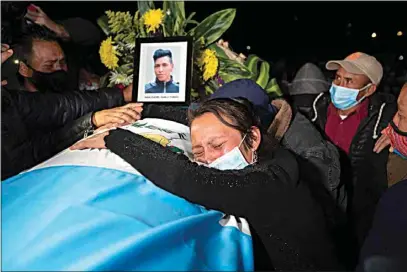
(89, 210)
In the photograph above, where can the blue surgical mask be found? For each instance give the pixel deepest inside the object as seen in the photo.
(345, 98)
(233, 160)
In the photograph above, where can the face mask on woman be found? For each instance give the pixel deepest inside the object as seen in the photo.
(397, 138)
(345, 98)
(233, 160)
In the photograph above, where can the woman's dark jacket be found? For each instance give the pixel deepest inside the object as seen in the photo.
(288, 226)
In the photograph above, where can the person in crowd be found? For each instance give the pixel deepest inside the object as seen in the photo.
(319, 159)
(58, 50)
(309, 83)
(395, 137)
(385, 248)
(36, 126)
(43, 64)
(79, 37)
(163, 67)
(352, 120)
(238, 170)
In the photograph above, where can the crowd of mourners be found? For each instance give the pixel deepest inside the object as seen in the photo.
(320, 173)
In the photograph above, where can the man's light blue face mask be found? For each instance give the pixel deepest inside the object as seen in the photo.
(233, 160)
(345, 98)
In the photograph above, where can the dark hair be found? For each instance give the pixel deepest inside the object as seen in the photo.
(237, 113)
(159, 53)
(38, 33)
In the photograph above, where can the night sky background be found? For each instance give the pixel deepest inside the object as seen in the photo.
(293, 31)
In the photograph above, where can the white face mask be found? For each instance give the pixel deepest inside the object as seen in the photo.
(233, 160)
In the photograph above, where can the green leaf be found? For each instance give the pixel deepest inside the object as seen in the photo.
(214, 25)
(252, 63)
(191, 22)
(228, 66)
(169, 20)
(219, 52)
(210, 89)
(142, 31)
(103, 22)
(273, 88)
(181, 8)
(194, 93)
(178, 27)
(177, 8)
(176, 20)
(136, 21)
(230, 76)
(144, 6)
(125, 69)
(190, 16)
(165, 31)
(264, 76)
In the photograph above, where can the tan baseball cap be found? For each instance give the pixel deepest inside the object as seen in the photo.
(359, 63)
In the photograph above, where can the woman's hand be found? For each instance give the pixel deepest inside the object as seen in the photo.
(95, 141)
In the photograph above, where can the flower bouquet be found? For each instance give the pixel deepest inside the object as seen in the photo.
(214, 63)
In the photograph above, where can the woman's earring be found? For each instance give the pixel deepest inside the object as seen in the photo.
(254, 160)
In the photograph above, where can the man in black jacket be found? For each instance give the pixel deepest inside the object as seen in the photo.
(50, 54)
(36, 126)
(352, 117)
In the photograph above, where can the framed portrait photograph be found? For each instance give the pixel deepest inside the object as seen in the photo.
(163, 70)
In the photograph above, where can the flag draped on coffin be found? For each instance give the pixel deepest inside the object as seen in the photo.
(91, 211)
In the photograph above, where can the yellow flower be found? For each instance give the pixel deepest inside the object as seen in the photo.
(208, 63)
(153, 19)
(108, 54)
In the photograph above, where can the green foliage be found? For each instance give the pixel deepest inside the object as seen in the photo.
(213, 27)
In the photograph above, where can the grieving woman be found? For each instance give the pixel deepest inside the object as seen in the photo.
(240, 171)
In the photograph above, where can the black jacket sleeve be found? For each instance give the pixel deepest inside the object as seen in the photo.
(50, 110)
(269, 195)
(20, 153)
(215, 189)
(172, 113)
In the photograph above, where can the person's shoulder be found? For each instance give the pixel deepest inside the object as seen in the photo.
(150, 85)
(275, 156)
(386, 104)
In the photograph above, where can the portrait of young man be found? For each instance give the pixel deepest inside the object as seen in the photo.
(163, 67)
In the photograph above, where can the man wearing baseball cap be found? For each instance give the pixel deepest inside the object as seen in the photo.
(352, 118)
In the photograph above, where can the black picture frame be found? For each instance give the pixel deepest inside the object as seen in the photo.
(138, 72)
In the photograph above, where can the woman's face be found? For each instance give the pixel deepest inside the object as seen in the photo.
(212, 139)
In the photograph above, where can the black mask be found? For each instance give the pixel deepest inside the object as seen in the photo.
(397, 130)
(49, 82)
